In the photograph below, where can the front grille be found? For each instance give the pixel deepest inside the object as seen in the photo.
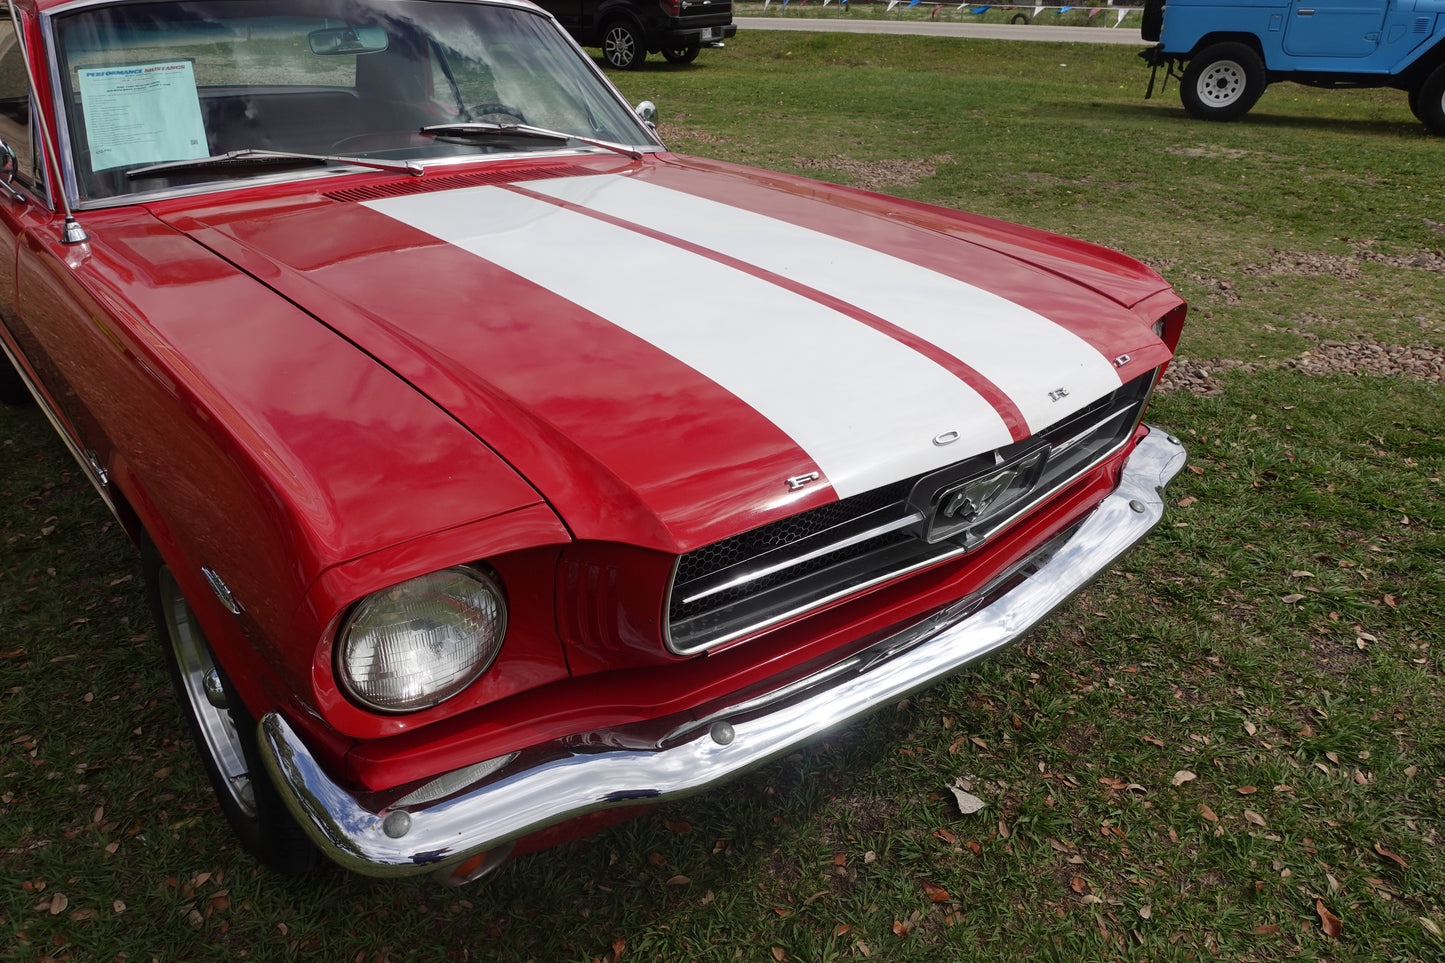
(741, 584)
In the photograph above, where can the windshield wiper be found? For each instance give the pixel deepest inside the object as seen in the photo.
(484, 129)
(252, 157)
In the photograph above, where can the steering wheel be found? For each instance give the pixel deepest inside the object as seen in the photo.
(485, 111)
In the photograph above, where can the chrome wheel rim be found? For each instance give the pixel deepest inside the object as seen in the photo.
(1221, 84)
(206, 694)
(620, 48)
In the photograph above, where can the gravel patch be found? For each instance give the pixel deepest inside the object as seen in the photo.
(1418, 362)
(876, 175)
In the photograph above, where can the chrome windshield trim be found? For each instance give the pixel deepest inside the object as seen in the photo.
(554, 782)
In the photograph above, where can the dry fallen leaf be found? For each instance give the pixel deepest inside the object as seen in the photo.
(1268, 929)
(678, 881)
(1077, 884)
(1255, 817)
(968, 804)
(936, 894)
(1432, 926)
(1292, 598)
(1247, 790)
(1208, 813)
(779, 954)
(1328, 921)
(1389, 855)
(58, 903)
(1145, 912)
(1183, 776)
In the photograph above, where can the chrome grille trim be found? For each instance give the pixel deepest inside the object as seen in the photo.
(740, 585)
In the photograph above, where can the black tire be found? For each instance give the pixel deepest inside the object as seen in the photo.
(1153, 23)
(12, 386)
(1019, 18)
(1222, 81)
(224, 732)
(1428, 101)
(622, 45)
(682, 55)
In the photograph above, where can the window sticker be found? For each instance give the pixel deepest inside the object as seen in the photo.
(142, 114)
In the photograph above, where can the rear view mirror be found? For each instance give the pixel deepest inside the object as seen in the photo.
(335, 41)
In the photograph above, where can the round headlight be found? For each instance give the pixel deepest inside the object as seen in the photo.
(419, 643)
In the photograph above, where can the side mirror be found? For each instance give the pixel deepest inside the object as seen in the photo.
(9, 167)
(647, 110)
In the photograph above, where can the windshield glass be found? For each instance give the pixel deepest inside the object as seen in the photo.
(151, 83)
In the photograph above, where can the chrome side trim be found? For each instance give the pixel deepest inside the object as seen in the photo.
(554, 782)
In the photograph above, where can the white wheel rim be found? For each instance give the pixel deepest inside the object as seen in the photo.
(1221, 84)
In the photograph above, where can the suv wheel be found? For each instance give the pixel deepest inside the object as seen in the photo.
(622, 46)
(682, 55)
(1222, 81)
(1428, 101)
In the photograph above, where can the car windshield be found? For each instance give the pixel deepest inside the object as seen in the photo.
(209, 83)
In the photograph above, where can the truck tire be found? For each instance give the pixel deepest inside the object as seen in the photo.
(1153, 20)
(1222, 81)
(1428, 101)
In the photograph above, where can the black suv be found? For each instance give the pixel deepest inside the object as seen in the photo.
(628, 30)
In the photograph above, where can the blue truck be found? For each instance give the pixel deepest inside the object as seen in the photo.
(1225, 52)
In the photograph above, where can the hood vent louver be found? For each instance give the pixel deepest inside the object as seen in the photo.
(425, 185)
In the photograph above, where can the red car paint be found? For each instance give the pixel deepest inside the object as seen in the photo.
(316, 401)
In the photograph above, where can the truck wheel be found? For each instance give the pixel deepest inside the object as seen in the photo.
(1222, 81)
(622, 46)
(684, 54)
(1428, 101)
(224, 732)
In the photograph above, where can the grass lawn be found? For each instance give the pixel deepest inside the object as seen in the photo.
(1230, 748)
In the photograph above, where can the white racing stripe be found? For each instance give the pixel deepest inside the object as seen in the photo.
(863, 406)
(1022, 352)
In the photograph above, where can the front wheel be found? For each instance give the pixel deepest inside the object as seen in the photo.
(622, 46)
(1222, 82)
(1428, 101)
(685, 54)
(224, 732)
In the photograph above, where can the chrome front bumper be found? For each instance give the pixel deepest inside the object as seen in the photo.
(551, 783)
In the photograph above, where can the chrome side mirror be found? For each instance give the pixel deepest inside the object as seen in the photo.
(9, 167)
(647, 110)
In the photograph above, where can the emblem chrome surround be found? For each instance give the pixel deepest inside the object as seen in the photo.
(968, 509)
(946, 438)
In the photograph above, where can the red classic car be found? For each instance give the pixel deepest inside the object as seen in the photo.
(495, 469)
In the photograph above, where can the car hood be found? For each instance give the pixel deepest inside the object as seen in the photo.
(674, 350)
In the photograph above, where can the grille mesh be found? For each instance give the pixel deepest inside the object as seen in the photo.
(740, 584)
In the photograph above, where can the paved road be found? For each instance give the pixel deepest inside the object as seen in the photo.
(988, 31)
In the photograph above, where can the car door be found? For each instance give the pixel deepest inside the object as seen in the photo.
(1345, 29)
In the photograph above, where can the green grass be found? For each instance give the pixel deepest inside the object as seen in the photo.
(1279, 637)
